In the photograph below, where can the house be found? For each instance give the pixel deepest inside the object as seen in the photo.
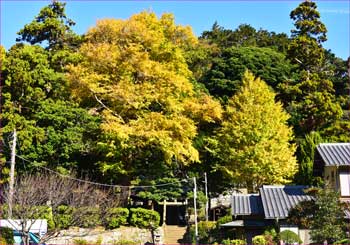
(332, 164)
(254, 213)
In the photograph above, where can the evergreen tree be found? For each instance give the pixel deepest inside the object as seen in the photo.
(328, 224)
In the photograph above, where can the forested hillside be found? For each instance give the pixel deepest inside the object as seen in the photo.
(143, 101)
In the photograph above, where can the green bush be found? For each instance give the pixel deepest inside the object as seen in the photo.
(224, 220)
(344, 241)
(206, 230)
(44, 212)
(144, 218)
(116, 217)
(63, 217)
(233, 242)
(88, 216)
(6, 236)
(271, 236)
(290, 237)
(259, 240)
(80, 241)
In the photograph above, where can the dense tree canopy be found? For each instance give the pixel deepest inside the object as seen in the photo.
(142, 101)
(136, 69)
(253, 142)
(225, 76)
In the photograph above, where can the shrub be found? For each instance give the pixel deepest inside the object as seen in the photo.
(233, 242)
(125, 242)
(80, 241)
(116, 217)
(259, 240)
(44, 212)
(63, 217)
(290, 237)
(205, 231)
(271, 236)
(144, 218)
(224, 219)
(88, 216)
(6, 235)
(344, 241)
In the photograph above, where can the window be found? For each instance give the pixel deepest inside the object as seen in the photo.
(344, 184)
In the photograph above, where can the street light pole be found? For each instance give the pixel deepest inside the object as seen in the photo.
(195, 208)
(12, 173)
(206, 196)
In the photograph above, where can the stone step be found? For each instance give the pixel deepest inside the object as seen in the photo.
(174, 234)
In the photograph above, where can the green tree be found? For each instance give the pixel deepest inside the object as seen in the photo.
(225, 76)
(305, 47)
(328, 223)
(51, 27)
(311, 103)
(253, 142)
(306, 154)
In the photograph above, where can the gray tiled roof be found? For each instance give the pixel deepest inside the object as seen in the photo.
(246, 204)
(278, 200)
(335, 154)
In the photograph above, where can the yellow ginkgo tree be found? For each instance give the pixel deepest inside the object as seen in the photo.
(253, 143)
(135, 71)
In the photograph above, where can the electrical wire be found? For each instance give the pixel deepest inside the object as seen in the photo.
(96, 183)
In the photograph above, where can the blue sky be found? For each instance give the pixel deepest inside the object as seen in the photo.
(270, 15)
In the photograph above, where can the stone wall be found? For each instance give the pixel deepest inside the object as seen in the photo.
(122, 235)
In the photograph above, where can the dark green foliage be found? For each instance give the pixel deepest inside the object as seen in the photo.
(144, 218)
(243, 36)
(89, 216)
(307, 22)
(306, 153)
(206, 232)
(225, 76)
(224, 220)
(344, 241)
(36, 212)
(44, 212)
(116, 217)
(289, 237)
(328, 222)
(63, 217)
(50, 25)
(311, 102)
(302, 214)
(6, 235)
(167, 192)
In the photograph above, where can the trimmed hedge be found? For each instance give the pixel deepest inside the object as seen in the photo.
(259, 240)
(144, 218)
(290, 237)
(233, 242)
(115, 217)
(63, 217)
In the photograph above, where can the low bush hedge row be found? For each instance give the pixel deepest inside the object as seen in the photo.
(86, 217)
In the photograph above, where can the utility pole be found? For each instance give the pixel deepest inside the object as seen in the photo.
(195, 208)
(12, 173)
(206, 197)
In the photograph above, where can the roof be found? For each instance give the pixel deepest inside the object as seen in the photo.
(248, 223)
(278, 200)
(335, 154)
(246, 205)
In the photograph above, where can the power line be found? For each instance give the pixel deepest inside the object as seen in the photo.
(96, 183)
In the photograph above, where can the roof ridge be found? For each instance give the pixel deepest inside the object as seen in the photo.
(335, 143)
